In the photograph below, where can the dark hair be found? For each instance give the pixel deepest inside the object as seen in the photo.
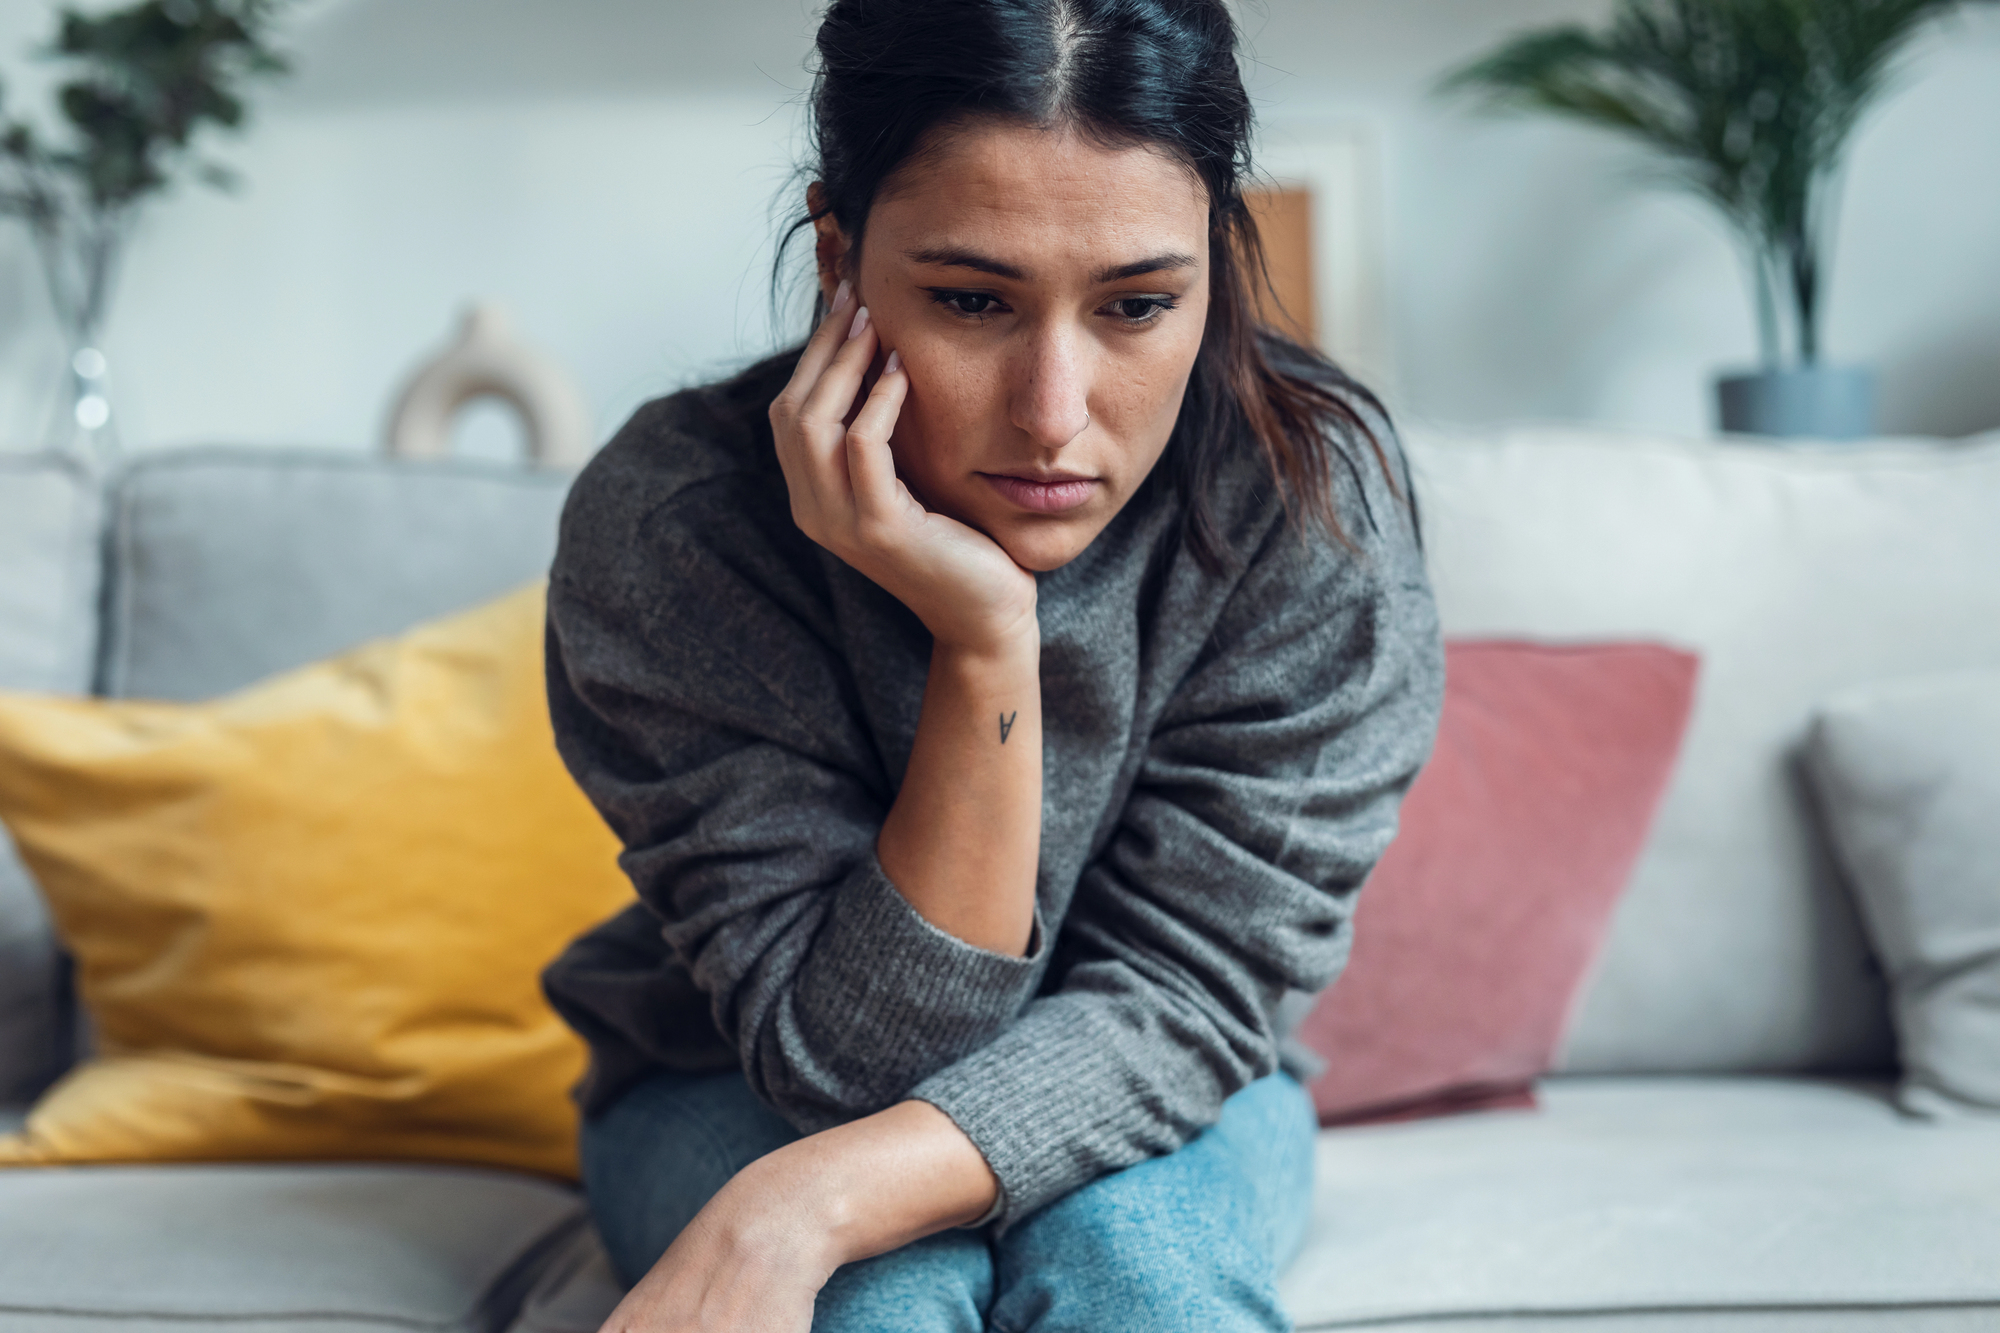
(891, 73)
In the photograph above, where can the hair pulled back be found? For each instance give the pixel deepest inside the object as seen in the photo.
(1163, 73)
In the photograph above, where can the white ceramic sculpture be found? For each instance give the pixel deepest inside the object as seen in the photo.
(488, 361)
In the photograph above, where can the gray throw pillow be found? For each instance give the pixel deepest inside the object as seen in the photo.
(1909, 776)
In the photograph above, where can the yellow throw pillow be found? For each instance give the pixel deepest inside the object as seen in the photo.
(309, 918)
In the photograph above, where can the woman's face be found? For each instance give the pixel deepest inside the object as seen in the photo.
(1048, 296)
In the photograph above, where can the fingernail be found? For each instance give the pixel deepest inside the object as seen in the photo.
(893, 364)
(860, 323)
(841, 293)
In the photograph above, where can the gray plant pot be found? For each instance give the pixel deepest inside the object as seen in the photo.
(1823, 402)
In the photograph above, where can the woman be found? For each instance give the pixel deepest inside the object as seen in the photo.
(1000, 700)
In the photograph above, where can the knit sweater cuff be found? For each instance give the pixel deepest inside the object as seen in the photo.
(922, 989)
(1021, 1119)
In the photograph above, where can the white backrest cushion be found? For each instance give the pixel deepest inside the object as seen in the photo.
(1794, 572)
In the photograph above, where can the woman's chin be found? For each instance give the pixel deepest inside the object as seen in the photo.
(1046, 544)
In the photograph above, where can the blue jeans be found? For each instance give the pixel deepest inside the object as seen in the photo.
(1187, 1243)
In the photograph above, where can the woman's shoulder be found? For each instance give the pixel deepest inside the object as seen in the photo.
(1370, 498)
(680, 573)
(689, 469)
(1308, 612)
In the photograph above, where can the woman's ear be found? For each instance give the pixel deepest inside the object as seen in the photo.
(830, 243)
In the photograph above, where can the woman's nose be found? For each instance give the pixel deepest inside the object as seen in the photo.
(1051, 391)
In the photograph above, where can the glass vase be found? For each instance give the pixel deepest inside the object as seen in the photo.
(87, 427)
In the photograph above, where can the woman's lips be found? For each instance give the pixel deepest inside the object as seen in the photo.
(1044, 497)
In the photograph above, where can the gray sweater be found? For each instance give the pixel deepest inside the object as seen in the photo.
(1223, 755)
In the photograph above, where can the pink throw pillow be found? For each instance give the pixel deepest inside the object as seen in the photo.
(1473, 936)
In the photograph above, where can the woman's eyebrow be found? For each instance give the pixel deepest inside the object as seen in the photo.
(952, 256)
(1139, 268)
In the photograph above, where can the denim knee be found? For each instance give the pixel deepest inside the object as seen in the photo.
(940, 1284)
(1186, 1243)
(1121, 1257)
(1271, 1129)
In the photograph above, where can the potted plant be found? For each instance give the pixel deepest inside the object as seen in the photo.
(152, 77)
(1752, 103)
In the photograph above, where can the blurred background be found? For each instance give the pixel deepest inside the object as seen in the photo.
(614, 172)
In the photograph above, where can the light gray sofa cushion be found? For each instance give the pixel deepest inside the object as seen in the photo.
(49, 578)
(318, 1248)
(230, 564)
(1736, 1203)
(1795, 573)
(1909, 772)
(49, 540)
(1898, 1319)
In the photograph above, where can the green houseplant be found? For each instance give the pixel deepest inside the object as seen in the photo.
(151, 79)
(1751, 104)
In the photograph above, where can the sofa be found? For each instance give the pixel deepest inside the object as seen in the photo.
(1717, 1150)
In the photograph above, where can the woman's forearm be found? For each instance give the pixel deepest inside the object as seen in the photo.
(758, 1253)
(963, 840)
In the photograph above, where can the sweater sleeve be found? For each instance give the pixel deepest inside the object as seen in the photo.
(1269, 789)
(748, 810)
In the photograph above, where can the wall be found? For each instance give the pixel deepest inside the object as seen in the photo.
(608, 170)
(1531, 273)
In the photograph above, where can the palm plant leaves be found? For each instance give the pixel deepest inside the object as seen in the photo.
(153, 76)
(1750, 104)
(156, 74)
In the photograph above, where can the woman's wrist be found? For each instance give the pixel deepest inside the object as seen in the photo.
(1003, 643)
(1006, 663)
(861, 1189)
(776, 1213)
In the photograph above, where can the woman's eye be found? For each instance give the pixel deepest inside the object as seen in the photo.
(1140, 309)
(967, 303)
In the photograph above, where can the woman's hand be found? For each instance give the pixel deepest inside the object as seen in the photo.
(846, 496)
(962, 841)
(753, 1260)
(742, 1266)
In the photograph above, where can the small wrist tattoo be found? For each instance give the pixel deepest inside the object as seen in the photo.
(1007, 724)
